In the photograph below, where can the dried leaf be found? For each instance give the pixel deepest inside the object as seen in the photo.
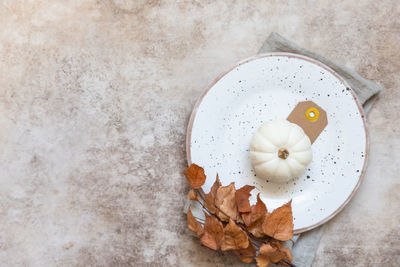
(257, 211)
(256, 228)
(193, 224)
(192, 195)
(195, 176)
(246, 255)
(215, 186)
(286, 251)
(263, 259)
(288, 254)
(209, 203)
(242, 198)
(225, 201)
(234, 237)
(282, 252)
(239, 219)
(210, 197)
(246, 218)
(279, 224)
(267, 255)
(213, 233)
(272, 252)
(255, 218)
(260, 207)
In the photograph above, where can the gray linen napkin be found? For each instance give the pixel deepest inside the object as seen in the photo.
(304, 246)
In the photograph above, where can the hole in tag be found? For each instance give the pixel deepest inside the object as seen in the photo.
(312, 114)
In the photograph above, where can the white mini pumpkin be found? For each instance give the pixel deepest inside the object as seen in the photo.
(280, 151)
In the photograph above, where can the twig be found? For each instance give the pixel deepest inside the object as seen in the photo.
(288, 263)
(201, 193)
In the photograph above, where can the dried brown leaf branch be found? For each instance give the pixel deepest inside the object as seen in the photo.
(231, 223)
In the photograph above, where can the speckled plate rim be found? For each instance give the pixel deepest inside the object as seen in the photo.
(290, 55)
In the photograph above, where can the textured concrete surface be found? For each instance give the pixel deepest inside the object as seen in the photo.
(95, 97)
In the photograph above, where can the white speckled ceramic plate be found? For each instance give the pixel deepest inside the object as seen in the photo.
(268, 87)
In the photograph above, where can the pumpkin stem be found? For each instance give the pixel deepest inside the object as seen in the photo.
(283, 153)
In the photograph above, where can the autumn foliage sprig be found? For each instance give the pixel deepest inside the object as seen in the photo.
(251, 232)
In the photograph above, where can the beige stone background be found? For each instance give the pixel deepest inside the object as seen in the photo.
(95, 97)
